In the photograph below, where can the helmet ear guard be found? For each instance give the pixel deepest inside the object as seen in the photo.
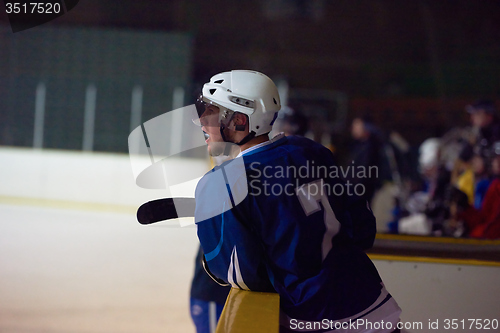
(240, 127)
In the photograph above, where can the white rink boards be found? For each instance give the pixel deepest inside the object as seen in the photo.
(431, 291)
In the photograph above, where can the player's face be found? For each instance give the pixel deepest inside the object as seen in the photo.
(495, 166)
(478, 165)
(211, 128)
(480, 119)
(358, 130)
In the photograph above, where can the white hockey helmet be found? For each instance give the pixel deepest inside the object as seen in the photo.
(249, 92)
(429, 154)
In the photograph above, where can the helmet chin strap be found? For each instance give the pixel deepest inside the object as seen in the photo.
(247, 138)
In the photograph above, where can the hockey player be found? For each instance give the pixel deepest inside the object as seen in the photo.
(278, 217)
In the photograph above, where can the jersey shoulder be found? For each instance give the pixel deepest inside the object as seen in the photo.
(288, 150)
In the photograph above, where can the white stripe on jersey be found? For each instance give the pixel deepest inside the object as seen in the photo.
(234, 268)
(230, 272)
(239, 278)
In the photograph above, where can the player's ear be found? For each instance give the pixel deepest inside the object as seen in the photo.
(240, 121)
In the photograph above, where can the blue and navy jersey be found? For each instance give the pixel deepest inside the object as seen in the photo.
(281, 218)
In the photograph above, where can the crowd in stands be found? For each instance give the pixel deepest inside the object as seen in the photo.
(459, 173)
(460, 170)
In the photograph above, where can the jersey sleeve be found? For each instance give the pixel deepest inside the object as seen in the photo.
(232, 252)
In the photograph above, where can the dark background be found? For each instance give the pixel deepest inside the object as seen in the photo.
(412, 65)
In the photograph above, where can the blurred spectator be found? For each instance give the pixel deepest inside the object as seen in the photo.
(365, 153)
(463, 174)
(292, 122)
(481, 175)
(428, 160)
(485, 122)
(485, 222)
(428, 209)
(412, 219)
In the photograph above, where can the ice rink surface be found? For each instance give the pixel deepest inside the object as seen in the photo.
(85, 271)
